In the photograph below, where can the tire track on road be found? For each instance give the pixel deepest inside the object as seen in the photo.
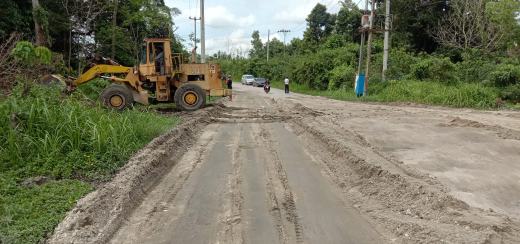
(279, 191)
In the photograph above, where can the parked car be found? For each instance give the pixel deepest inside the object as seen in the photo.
(248, 79)
(259, 82)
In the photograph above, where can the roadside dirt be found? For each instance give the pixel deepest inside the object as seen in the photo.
(282, 168)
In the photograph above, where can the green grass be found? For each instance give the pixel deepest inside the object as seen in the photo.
(70, 140)
(422, 92)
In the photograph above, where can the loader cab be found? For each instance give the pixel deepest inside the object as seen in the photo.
(156, 58)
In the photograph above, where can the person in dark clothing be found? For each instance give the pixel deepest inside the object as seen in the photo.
(229, 84)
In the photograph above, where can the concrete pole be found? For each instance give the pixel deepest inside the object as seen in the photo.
(202, 33)
(363, 38)
(386, 41)
(194, 58)
(268, 40)
(369, 47)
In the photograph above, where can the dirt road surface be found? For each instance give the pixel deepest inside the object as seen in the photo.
(292, 168)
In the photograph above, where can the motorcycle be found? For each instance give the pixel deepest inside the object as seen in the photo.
(267, 88)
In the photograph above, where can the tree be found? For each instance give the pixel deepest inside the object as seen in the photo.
(348, 21)
(412, 21)
(319, 25)
(15, 16)
(258, 46)
(468, 26)
(506, 14)
(295, 47)
(136, 20)
(276, 47)
(114, 26)
(41, 23)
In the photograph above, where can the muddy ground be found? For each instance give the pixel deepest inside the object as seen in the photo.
(292, 168)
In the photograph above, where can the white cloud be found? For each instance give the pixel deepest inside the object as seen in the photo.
(230, 23)
(237, 41)
(221, 17)
(295, 15)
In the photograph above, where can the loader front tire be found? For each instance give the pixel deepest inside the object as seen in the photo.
(117, 97)
(190, 97)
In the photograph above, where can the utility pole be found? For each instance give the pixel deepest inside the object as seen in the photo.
(268, 40)
(361, 46)
(229, 47)
(369, 46)
(387, 40)
(202, 33)
(195, 19)
(284, 32)
(195, 37)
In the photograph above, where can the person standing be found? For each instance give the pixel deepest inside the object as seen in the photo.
(286, 82)
(229, 84)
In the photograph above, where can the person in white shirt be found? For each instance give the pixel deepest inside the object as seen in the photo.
(286, 81)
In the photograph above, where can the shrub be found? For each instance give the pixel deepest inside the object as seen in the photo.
(335, 41)
(28, 54)
(435, 69)
(511, 93)
(341, 77)
(475, 67)
(505, 74)
(400, 62)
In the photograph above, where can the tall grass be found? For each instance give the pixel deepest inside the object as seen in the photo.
(71, 141)
(471, 95)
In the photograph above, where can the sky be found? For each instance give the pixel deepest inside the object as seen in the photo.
(230, 23)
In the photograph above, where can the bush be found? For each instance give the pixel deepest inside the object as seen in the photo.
(435, 69)
(335, 41)
(505, 74)
(512, 93)
(401, 63)
(26, 53)
(475, 67)
(342, 77)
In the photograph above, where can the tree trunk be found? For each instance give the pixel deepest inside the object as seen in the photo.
(114, 26)
(41, 39)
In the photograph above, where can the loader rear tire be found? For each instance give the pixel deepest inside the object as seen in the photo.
(117, 97)
(190, 97)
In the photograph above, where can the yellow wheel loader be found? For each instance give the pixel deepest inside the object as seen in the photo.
(161, 76)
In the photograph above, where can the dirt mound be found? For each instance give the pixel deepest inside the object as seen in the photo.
(97, 216)
(300, 109)
(502, 132)
(459, 122)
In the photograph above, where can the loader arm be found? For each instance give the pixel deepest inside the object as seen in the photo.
(107, 69)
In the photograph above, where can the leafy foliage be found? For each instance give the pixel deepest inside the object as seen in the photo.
(325, 61)
(319, 25)
(66, 140)
(506, 74)
(436, 69)
(26, 53)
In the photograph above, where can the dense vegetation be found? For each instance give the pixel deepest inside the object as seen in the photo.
(431, 61)
(77, 30)
(55, 147)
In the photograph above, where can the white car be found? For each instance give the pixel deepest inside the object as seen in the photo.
(248, 79)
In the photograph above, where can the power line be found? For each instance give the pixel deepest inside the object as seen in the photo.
(284, 32)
